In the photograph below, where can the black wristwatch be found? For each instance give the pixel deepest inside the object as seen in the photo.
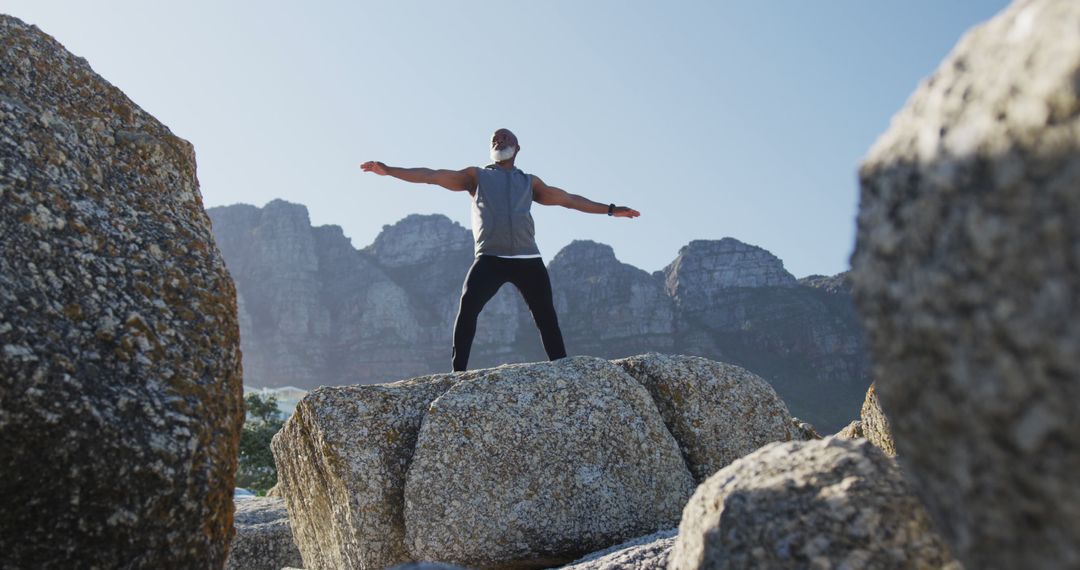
(611, 209)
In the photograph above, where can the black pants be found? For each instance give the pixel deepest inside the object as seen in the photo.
(486, 275)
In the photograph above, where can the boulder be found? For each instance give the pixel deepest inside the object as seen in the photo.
(717, 412)
(817, 504)
(874, 425)
(967, 274)
(532, 465)
(520, 465)
(341, 460)
(644, 553)
(263, 538)
(120, 379)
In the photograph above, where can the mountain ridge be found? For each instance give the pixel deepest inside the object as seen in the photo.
(316, 310)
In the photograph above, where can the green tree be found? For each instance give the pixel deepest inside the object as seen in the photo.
(262, 420)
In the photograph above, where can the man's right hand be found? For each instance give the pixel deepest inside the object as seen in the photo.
(374, 166)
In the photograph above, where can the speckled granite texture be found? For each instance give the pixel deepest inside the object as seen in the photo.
(967, 274)
(120, 380)
(831, 503)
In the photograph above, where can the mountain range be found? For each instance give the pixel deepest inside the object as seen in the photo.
(314, 310)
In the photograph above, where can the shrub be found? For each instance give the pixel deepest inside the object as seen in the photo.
(262, 420)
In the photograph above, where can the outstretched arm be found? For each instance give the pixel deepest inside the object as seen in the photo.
(456, 180)
(552, 196)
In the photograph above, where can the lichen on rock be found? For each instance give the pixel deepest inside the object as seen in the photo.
(120, 387)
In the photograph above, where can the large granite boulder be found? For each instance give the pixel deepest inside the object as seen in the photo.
(520, 465)
(716, 411)
(120, 388)
(341, 460)
(263, 538)
(967, 274)
(831, 503)
(530, 465)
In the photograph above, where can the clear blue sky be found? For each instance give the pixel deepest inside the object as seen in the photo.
(714, 118)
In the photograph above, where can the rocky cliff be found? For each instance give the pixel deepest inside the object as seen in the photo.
(317, 311)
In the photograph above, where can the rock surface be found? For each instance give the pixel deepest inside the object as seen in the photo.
(703, 265)
(851, 431)
(831, 503)
(427, 566)
(419, 240)
(609, 307)
(874, 426)
(524, 465)
(835, 284)
(531, 464)
(805, 339)
(967, 273)
(341, 460)
(120, 387)
(263, 538)
(718, 412)
(644, 553)
(314, 310)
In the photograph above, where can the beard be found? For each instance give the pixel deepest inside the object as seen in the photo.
(504, 154)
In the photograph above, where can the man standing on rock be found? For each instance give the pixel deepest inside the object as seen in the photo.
(505, 246)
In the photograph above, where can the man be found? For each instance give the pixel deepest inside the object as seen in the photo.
(505, 247)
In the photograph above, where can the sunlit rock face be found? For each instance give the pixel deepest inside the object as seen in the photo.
(533, 464)
(341, 461)
(967, 275)
(609, 307)
(718, 412)
(874, 425)
(120, 387)
(705, 266)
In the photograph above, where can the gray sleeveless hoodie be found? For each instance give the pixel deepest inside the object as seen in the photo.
(501, 221)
